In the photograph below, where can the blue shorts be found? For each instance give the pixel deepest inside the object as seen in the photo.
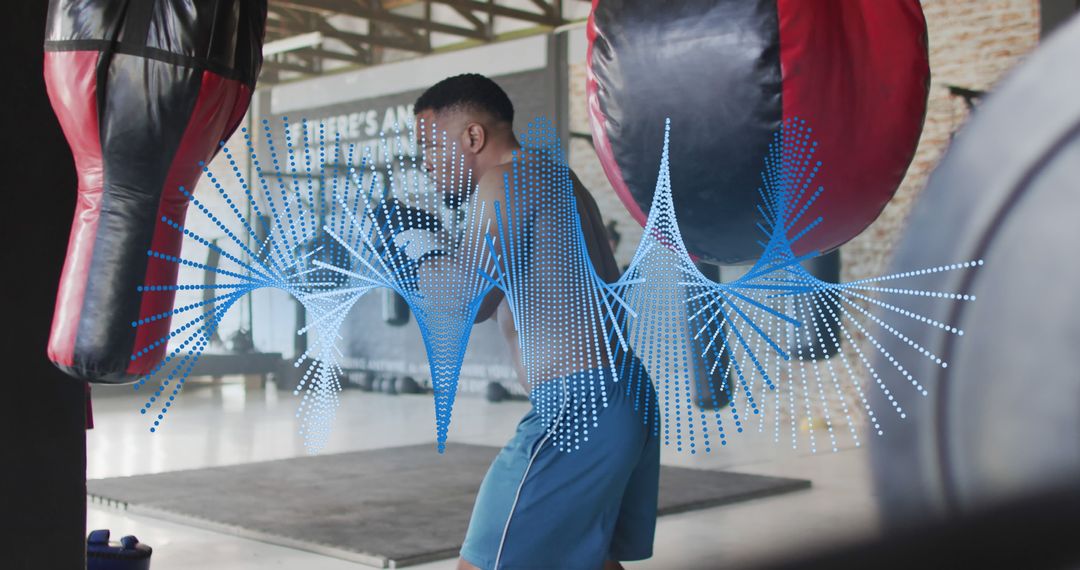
(539, 507)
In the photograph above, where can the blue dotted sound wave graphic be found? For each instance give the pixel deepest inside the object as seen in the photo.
(327, 223)
(755, 339)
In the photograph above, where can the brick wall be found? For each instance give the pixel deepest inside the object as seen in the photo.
(972, 44)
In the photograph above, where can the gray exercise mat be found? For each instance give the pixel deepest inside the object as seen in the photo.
(385, 508)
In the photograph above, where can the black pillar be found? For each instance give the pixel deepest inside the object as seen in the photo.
(42, 411)
(1053, 13)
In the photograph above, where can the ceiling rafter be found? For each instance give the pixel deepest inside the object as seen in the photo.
(548, 18)
(387, 28)
(383, 6)
(330, 54)
(548, 9)
(360, 11)
(472, 18)
(354, 40)
(274, 65)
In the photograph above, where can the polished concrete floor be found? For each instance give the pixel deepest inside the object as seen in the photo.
(229, 423)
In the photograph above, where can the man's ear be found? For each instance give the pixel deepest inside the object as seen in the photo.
(475, 137)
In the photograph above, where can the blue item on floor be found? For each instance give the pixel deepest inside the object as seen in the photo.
(128, 554)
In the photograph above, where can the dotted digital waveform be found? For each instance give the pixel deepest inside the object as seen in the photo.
(701, 360)
(769, 342)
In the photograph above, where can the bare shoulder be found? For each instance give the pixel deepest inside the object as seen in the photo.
(491, 191)
(500, 179)
(491, 185)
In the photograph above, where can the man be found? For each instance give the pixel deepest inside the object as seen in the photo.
(538, 506)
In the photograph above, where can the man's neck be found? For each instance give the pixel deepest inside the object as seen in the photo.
(501, 153)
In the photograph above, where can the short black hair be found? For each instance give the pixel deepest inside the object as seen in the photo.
(469, 91)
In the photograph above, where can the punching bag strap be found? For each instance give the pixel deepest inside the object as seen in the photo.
(136, 24)
(111, 39)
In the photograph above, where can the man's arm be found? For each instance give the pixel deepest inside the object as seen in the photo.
(463, 263)
(489, 305)
(489, 191)
(596, 239)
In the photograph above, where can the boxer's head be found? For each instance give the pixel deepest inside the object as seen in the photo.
(477, 118)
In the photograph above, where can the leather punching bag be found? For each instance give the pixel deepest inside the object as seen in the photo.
(144, 90)
(728, 73)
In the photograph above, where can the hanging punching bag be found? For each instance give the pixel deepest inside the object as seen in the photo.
(144, 90)
(727, 73)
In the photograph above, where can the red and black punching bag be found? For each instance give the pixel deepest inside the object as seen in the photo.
(144, 90)
(728, 73)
